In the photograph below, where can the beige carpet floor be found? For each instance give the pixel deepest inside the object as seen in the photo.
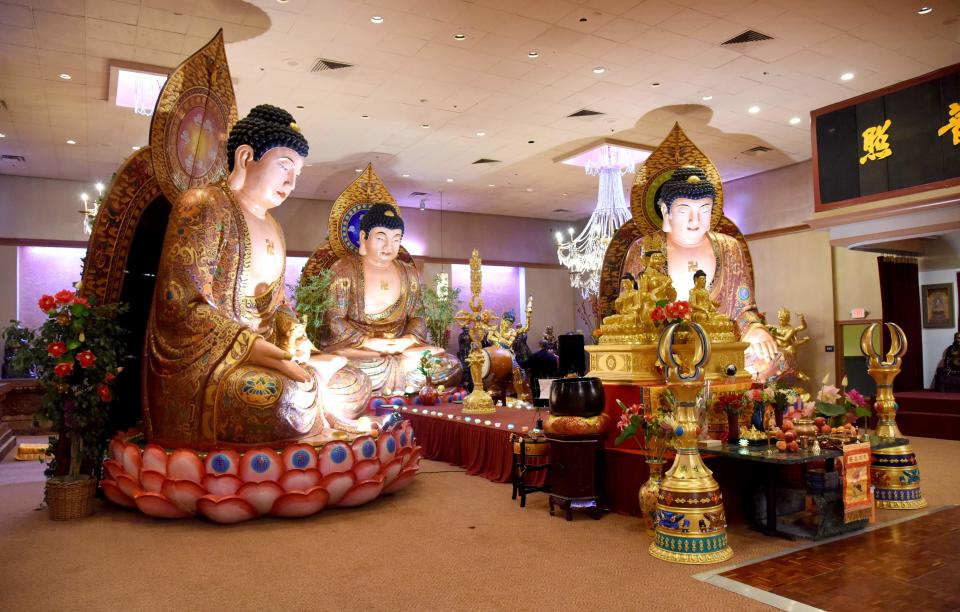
(448, 542)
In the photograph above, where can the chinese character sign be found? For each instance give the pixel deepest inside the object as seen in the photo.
(953, 125)
(875, 142)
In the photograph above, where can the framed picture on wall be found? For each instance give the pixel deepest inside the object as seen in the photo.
(937, 305)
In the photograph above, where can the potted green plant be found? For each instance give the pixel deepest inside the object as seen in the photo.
(15, 338)
(76, 354)
(313, 298)
(440, 304)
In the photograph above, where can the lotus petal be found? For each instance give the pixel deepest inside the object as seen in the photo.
(335, 457)
(112, 491)
(183, 493)
(362, 492)
(158, 506)
(387, 445)
(300, 503)
(261, 495)
(299, 457)
(365, 470)
(364, 448)
(300, 480)
(405, 434)
(184, 464)
(226, 510)
(155, 458)
(337, 485)
(131, 460)
(129, 485)
(113, 467)
(152, 480)
(413, 457)
(391, 470)
(222, 462)
(221, 486)
(405, 478)
(260, 465)
(116, 449)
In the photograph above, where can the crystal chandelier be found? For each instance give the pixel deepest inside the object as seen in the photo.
(583, 255)
(90, 208)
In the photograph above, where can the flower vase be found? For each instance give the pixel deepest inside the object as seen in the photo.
(733, 428)
(649, 492)
(777, 415)
(428, 393)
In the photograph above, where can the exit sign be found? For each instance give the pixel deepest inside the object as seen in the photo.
(858, 313)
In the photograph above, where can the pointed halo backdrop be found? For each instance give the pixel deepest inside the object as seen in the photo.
(583, 255)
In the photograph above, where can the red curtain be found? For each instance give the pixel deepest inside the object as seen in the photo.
(900, 300)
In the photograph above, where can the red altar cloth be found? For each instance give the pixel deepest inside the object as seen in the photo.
(483, 450)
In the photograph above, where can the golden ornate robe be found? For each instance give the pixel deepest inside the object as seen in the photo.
(197, 390)
(347, 325)
(732, 283)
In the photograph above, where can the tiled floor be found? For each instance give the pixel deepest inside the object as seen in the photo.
(906, 566)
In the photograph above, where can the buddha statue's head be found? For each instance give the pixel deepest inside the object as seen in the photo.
(783, 317)
(507, 320)
(626, 285)
(699, 279)
(686, 203)
(265, 153)
(656, 260)
(381, 230)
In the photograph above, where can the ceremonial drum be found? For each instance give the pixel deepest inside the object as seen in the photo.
(497, 365)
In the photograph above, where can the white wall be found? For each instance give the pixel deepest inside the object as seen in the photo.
(935, 341)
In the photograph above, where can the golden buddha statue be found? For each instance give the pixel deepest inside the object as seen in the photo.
(686, 244)
(376, 321)
(219, 365)
(703, 310)
(788, 340)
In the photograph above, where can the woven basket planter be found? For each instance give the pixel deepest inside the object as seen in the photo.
(70, 499)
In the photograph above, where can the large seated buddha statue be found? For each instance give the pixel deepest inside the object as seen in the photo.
(376, 320)
(221, 337)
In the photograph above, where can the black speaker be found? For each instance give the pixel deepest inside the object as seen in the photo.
(571, 353)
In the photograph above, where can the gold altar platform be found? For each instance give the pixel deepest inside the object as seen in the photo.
(637, 363)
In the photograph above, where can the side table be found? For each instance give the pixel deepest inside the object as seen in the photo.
(575, 474)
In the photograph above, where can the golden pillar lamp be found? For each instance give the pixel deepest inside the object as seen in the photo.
(691, 525)
(477, 321)
(894, 471)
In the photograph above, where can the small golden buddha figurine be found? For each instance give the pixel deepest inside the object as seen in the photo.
(788, 340)
(703, 310)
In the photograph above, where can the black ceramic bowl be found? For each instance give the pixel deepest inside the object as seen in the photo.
(581, 397)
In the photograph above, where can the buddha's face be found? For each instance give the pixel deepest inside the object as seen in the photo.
(689, 220)
(700, 282)
(626, 285)
(273, 177)
(381, 246)
(505, 324)
(657, 261)
(783, 316)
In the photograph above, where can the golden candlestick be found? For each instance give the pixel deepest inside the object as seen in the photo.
(894, 471)
(478, 323)
(691, 525)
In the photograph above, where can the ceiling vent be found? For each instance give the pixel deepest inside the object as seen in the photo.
(747, 37)
(417, 194)
(328, 64)
(560, 210)
(585, 112)
(484, 160)
(758, 149)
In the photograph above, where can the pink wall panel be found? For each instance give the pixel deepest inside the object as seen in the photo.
(44, 270)
(500, 291)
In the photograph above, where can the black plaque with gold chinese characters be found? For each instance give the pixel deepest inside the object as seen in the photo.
(895, 141)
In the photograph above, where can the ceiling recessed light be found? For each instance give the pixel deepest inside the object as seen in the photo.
(707, 98)
(358, 169)
(283, 1)
(65, 76)
(135, 148)
(563, 194)
(599, 70)
(655, 84)
(3, 135)
(71, 142)
(529, 188)
(481, 133)
(405, 175)
(795, 120)
(299, 105)
(292, 61)
(459, 37)
(376, 19)
(364, 116)
(533, 54)
(308, 165)
(926, 10)
(425, 126)
(491, 185)
(531, 141)
(753, 110)
(449, 180)
(846, 76)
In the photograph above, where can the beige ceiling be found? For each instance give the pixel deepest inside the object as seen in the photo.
(409, 70)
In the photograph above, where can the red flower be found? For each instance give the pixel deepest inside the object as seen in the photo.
(658, 314)
(63, 369)
(104, 392)
(81, 300)
(671, 311)
(86, 359)
(109, 376)
(65, 296)
(56, 349)
(682, 307)
(47, 303)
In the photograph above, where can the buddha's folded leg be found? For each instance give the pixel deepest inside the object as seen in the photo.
(345, 398)
(448, 373)
(257, 405)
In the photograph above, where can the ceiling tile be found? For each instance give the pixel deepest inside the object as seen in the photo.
(109, 10)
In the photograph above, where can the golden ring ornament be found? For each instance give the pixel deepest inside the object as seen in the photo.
(350, 206)
(675, 151)
(673, 369)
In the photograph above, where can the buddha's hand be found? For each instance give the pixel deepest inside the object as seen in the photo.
(269, 355)
(761, 343)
